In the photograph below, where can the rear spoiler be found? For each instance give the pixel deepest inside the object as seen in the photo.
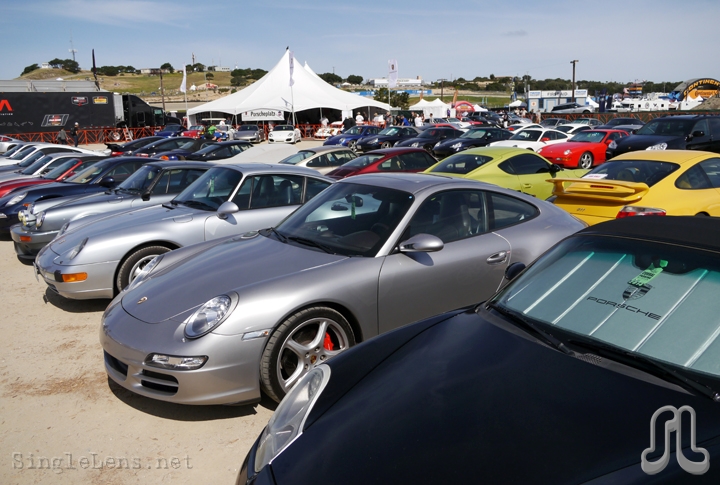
(613, 191)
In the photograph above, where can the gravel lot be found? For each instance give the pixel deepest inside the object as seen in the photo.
(63, 422)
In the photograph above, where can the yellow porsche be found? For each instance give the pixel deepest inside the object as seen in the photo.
(512, 168)
(644, 183)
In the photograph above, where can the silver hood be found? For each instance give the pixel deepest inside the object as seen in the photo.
(232, 265)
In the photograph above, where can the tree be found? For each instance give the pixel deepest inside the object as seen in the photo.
(397, 99)
(108, 70)
(198, 67)
(209, 76)
(168, 66)
(30, 68)
(70, 65)
(353, 79)
(331, 78)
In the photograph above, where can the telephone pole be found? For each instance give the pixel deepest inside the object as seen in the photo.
(573, 81)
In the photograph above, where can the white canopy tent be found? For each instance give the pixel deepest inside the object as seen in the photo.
(273, 92)
(517, 104)
(431, 109)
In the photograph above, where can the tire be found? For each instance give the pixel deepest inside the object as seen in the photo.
(386, 144)
(307, 338)
(352, 145)
(134, 262)
(586, 160)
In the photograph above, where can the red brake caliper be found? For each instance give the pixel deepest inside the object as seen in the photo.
(328, 344)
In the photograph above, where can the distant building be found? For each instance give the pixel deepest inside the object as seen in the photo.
(45, 65)
(401, 83)
(153, 70)
(219, 68)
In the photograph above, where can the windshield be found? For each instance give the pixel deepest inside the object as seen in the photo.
(354, 130)
(667, 127)
(347, 219)
(364, 160)
(248, 128)
(657, 300)
(12, 151)
(645, 171)
(527, 135)
(34, 163)
(430, 133)
(196, 128)
(623, 121)
(474, 134)
(392, 131)
(461, 163)
(283, 128)
(211, 189)
(589, 136)
(90, 173)
(298, 157)
(22, 152)
(140, 180)
(61, 169)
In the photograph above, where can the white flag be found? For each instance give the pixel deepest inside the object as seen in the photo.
(292, 65)
(183, 86)
(392, 73)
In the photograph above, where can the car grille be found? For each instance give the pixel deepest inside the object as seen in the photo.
(158, 382)
(115, 364)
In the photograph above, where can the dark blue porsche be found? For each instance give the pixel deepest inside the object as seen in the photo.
(387, 138)
(350, 136)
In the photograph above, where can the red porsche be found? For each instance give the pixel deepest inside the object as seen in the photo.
(69, 167)
(584, 150)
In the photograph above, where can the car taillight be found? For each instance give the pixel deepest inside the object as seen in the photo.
(164, 157)
(633, 210)
(115, 154)
(143, 155)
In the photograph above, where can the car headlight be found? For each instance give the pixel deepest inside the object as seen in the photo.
(144, 272)
(567, 152)
(454, 146)
(16, 199)
(612, 145)
(659, 146)
(342, 140)
(63, 229)
(415, 144)
(374, 141)
(288, 421)
(208, 316)
(39, 218)
(76, 250)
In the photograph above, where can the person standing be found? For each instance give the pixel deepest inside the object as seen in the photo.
(75, 133)
(418, 120)
(359, 118)
(389, 119)
(62, 137)
(348, 123)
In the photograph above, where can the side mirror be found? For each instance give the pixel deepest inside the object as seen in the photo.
(145, 195)
(227, 208)
(698, 133)
(513, 270)
(554, 168)
(421, 243)
(107, 181)
(337, 206)
(356, 199)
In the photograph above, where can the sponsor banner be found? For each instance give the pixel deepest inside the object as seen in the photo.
(80, 100)
(579, 93)
(55, 120)
(263, 115)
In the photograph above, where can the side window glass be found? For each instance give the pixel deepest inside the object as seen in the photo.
(505, 211)
(697, 177)
(314, 187)
(123, 171)
(179, 179)
(242, 197)
(391, 165)
(161, 187)
(321, 161)
(701, 125)
(507, 167)
(714, 127)
(416, 161)
(451, 216)
(276, 191)
(529, 164)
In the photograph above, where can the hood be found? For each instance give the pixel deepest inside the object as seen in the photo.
(105, 225)
(421, 141)
(569, 145)
(641, 142)
(87, 199)
(490, 404)
(231, 265)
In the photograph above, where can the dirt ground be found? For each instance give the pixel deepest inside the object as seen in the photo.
(63, 422)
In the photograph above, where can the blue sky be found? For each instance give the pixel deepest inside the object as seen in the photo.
(655, 40)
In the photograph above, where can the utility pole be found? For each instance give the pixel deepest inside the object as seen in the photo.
(442, 86)
(573, 81)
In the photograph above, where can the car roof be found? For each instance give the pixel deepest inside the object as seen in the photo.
(170, 164)
(258, 168)
(681, 157)
(325, 148)
(395, 150)
(408, 182)
(693, 231)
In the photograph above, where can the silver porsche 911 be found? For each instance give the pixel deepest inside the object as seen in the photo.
(97, 256)
(217, 322)
(154, 183)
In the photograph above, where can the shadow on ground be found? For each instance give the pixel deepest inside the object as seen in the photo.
(182, 412)
(74, 306)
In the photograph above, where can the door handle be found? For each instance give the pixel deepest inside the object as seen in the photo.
(498, 258)
(527, 186)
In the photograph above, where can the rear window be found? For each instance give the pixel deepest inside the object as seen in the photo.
(461, 163)
(364, 161)
(667, 127)
(642, 171)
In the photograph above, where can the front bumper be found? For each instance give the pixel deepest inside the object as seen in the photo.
(29, 243)
(7, 219)
(230, 375)
(248, 475)
(366, 147)
(98, 284)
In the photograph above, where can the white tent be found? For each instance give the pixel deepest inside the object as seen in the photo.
(273, 92)
(478, 108)
(431, 109)
(517, 104)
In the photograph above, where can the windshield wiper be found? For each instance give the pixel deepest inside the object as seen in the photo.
(278, 234)
(530, 327)
(310, 242)
(650, 365)
(196, 204)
